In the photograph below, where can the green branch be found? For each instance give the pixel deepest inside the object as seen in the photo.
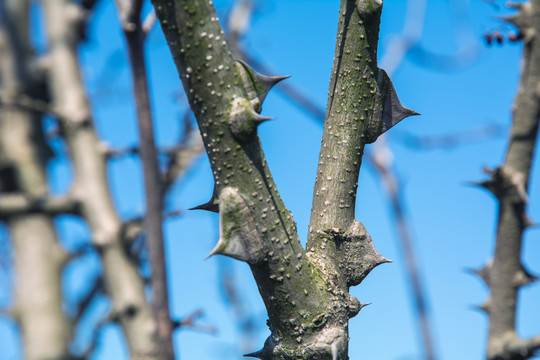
(306, 297)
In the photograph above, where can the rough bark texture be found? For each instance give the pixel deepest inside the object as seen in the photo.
(39, 259)
(305, 293)
(505, 274)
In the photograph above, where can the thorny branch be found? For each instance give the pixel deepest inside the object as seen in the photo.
(505, 274)
(238, 24)
(305, 293)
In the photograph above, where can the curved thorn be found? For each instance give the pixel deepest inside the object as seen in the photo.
(216, 250)
(261, 83)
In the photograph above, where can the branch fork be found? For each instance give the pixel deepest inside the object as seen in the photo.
(305, 291)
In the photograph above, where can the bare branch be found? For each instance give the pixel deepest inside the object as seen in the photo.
(149, 22)
(130, 12)
(17, 204)
(82, 306)
(39, 259)
(26, 102)
(181, 157)
(381, 159)
(123, 282)
(450, 140)
(94, 342)
(191, 323)
(505, 273)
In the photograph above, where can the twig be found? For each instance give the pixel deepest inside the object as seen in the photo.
(505, 274)
(39, 257)
(149, 22)
(153, 224)
(123, 282)
(182, 156)
(17, 204)
(380, 159)
(94, 342)
(86, 300)
(191, 323)
(451, 140)
(27, 102)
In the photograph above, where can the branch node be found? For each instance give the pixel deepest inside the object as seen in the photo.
(356, 253)
(257, 85)
(239, 237)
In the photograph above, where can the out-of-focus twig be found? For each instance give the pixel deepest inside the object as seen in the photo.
(130, 13)
(84, 302)
(95, 340)
(381, 159)
(39, 258)
(505, 274)
(401, 44)
(191, 323)
(149, 22)
(238, 23)
(16, 204)
(182, 156)
(123, 283)
(244, 317)
(408, 42)
(451, 140)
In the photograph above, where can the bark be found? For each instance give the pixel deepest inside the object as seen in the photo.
(305, 292)
(39, 259)
(505, 273)
(124, 285)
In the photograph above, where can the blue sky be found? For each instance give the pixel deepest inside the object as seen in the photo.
(453, 224)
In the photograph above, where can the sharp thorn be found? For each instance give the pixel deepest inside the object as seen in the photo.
(212, 204)
(259, 119)
(261, 83)
(216, 250)
(257, 354)
(209, 206)
(383, 260)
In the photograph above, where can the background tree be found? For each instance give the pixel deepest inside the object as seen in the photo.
(449, 263)
(505, 274)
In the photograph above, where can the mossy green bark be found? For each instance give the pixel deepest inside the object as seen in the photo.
(305, 293)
